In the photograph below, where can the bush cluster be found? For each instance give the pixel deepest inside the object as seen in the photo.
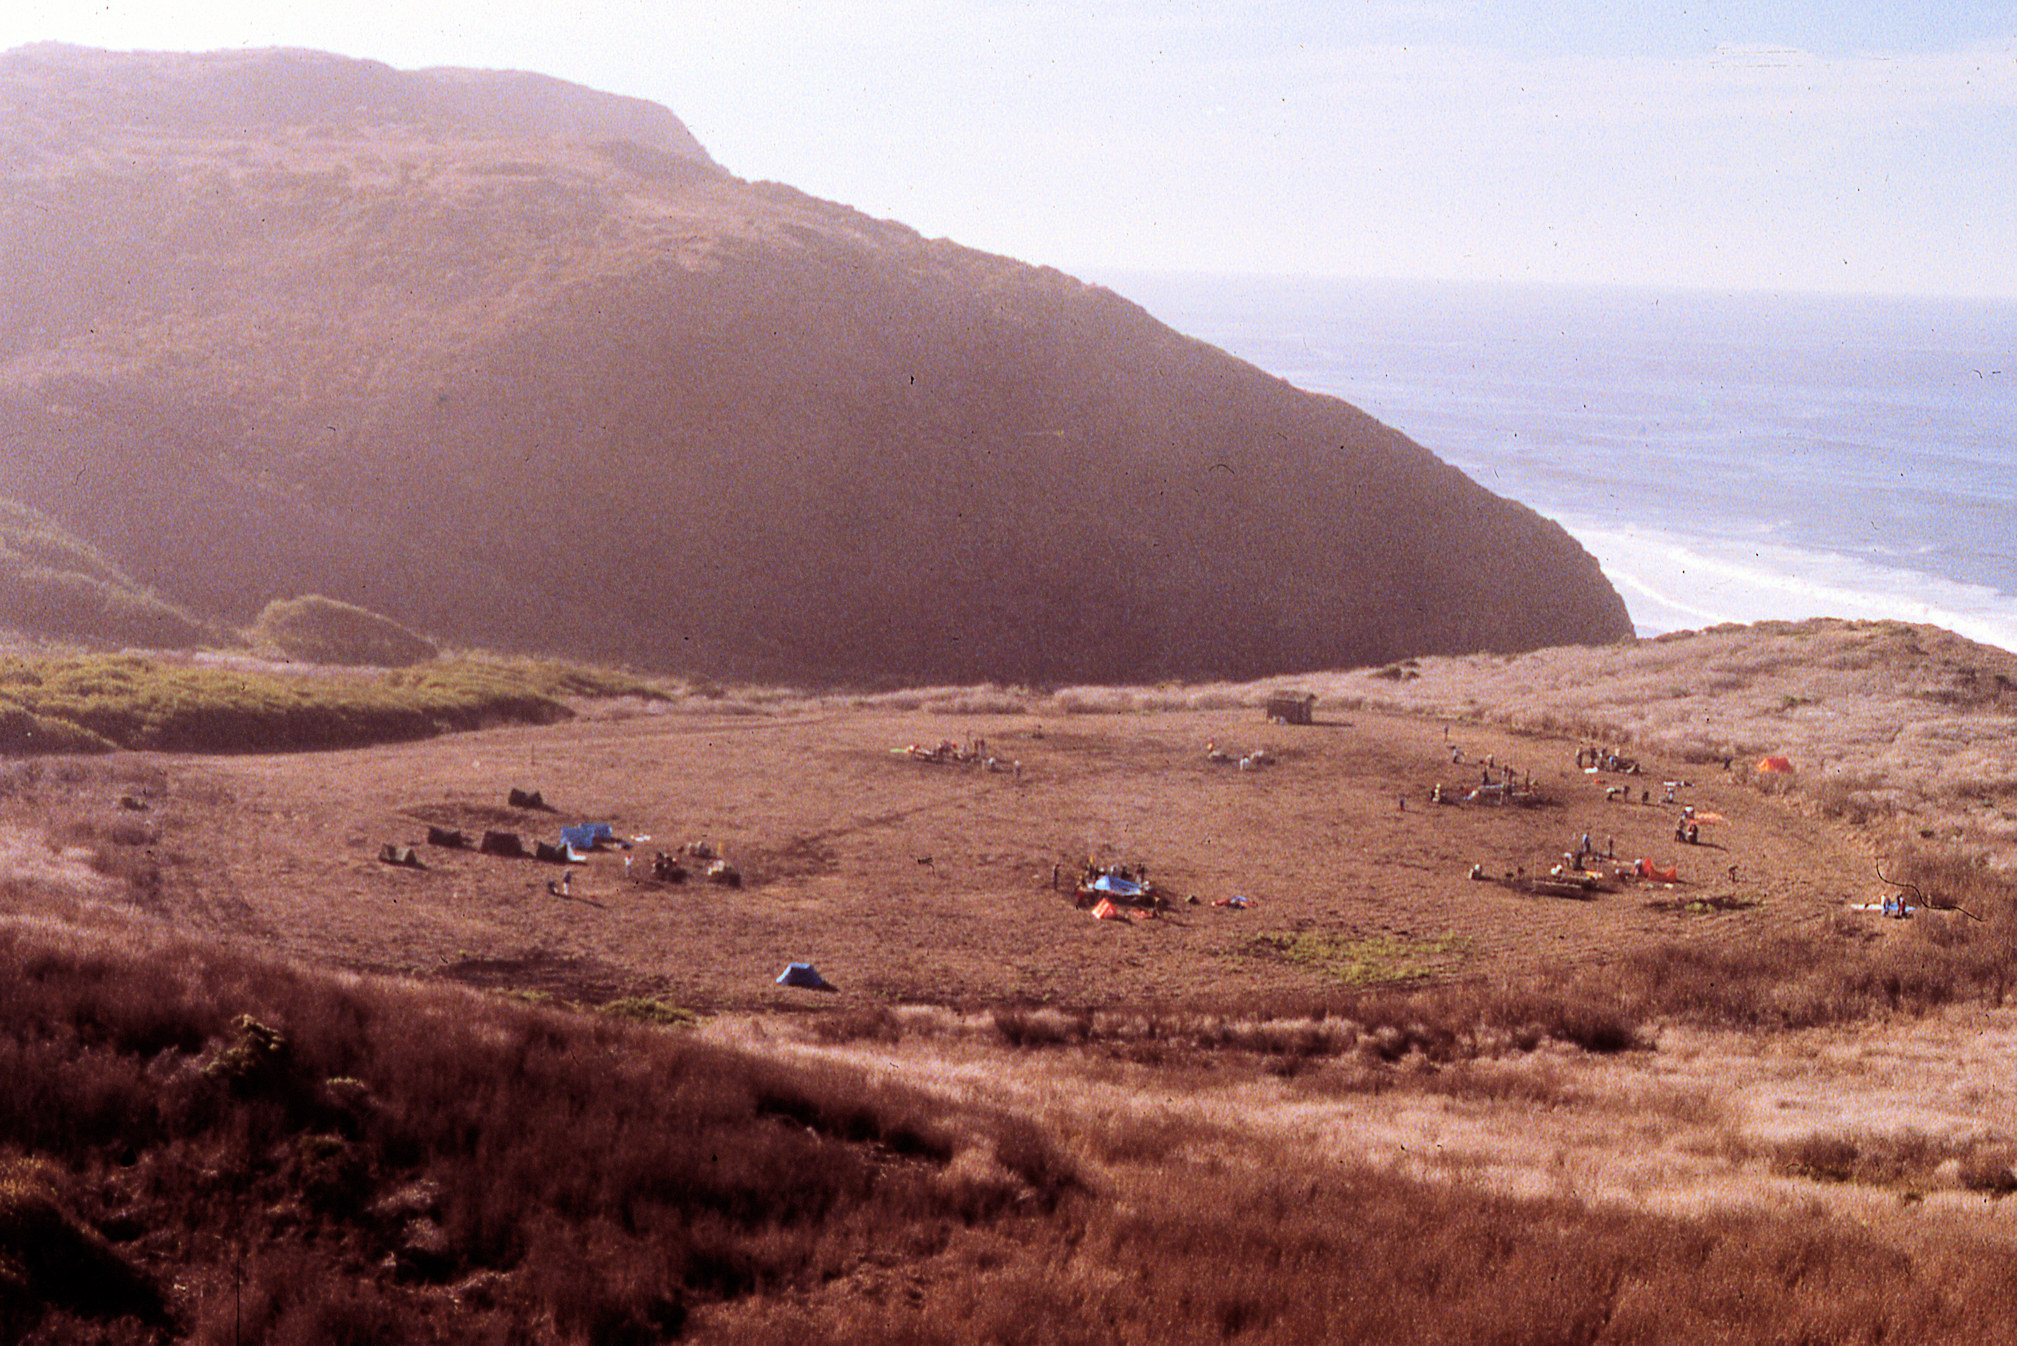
(322, 630)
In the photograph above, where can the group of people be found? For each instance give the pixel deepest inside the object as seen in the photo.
(1594, 758)
(973, 752)
(1495, 783)
(1586, 850)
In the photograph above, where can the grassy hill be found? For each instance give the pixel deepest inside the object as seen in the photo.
(54, 586)
(535, 373)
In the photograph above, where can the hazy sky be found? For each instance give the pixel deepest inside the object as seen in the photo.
(1857, 145)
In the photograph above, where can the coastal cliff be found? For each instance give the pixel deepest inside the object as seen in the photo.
(518, 364)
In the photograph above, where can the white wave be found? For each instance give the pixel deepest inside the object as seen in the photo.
(1671, 581)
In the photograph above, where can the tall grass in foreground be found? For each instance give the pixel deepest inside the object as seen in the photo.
(235, 1151)
(363, 1142)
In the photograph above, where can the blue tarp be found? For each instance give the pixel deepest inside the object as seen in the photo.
(1117, 887)
(585, 836)
(804, 975)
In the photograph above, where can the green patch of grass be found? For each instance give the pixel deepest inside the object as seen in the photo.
(1704, 906)
(1363, 961)
(73, 704)
(645, 1010)
(325, 631)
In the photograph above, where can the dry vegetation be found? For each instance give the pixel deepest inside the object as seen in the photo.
(1385, 1103)
(318, 630)
(1910, 729)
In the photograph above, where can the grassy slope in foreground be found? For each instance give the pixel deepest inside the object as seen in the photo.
(201, 1146)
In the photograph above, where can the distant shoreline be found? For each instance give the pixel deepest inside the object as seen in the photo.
(1727, 457)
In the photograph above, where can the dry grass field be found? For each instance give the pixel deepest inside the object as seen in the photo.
(913, 882)
(1729, 1107)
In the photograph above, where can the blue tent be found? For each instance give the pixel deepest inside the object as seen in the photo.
(804, 975)
(586, 836)
(1115, 886)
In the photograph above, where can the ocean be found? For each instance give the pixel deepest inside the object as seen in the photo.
(1725, 457)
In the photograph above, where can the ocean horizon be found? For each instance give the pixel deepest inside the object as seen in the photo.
(1726, 457)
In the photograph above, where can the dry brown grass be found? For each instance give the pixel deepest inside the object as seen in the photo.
(266, 1156)
(370, 1141)
(1900, 726)
(1612, 1120)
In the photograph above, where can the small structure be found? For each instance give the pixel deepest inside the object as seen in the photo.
(1118, 886)
(586, 837)
(804, 976)
(1292, 707)
(391, 853)
(502, 843)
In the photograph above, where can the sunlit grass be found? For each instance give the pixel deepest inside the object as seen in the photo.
(75, 703)
(1364, 960)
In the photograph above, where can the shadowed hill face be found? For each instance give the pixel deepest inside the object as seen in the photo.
(583, 391)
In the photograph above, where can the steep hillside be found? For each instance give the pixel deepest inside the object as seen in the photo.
(516, 363)
(55, 587)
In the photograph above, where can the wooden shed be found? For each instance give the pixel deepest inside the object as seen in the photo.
(1292, 707)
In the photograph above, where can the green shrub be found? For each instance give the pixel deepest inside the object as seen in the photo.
(24, 733)
(320, 630)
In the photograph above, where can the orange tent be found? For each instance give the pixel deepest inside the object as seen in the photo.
(1646, 869)
(1774, 764)
(1107, 911)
